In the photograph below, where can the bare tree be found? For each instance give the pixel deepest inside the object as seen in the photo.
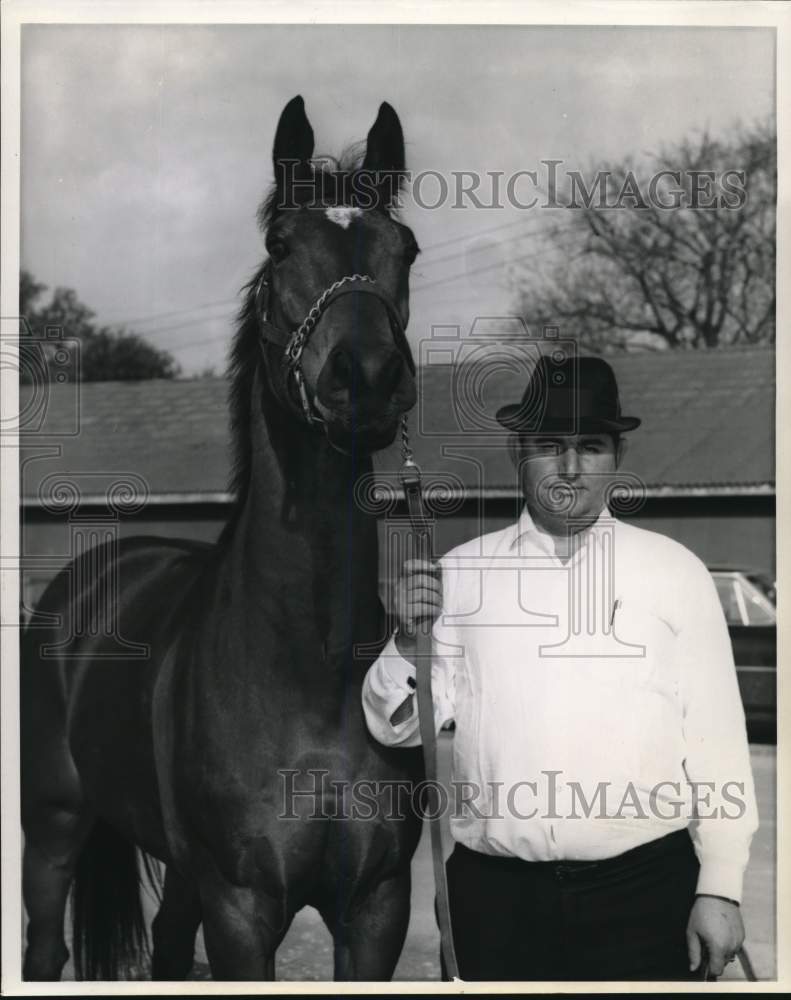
(684, 257)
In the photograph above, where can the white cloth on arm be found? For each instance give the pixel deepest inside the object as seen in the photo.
(577, 740)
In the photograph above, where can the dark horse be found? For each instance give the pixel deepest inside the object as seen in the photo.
(252, 686)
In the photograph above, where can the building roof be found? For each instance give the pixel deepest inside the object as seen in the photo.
(707, 427)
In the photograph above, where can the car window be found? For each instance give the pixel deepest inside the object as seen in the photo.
(726, 591)
(766, 585)
(757, 608)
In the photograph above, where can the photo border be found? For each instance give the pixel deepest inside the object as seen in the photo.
(15, 13)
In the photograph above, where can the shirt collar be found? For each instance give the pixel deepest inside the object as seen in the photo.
(526, 527)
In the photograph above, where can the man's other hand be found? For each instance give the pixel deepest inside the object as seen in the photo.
(715, 930)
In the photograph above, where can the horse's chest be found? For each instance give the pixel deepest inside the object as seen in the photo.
(298, 813)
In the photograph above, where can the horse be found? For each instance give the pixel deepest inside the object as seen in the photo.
(226, 753)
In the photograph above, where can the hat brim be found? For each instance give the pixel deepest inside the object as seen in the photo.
(512, 416)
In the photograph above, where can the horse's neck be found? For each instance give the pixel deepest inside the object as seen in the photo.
(302, 553)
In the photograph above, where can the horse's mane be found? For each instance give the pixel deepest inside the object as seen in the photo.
(333, 180)
(244, 356)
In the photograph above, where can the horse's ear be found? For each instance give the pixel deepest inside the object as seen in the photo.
(384, 153)
(293, 146)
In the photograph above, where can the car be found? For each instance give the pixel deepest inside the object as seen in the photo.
(748, 600)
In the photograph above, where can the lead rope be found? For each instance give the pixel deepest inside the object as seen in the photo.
(744, 961)
(747, 965)
(413, 492)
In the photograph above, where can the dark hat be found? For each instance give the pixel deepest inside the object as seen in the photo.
(568, 395)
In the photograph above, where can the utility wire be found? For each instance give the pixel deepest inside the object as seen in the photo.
(153, 317)
(456, 256)
(175, 312)
(482, 270)
(189, 345)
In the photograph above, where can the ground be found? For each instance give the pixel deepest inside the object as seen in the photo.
(306, 953)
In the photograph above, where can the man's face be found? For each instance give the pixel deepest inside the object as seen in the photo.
(564, 478)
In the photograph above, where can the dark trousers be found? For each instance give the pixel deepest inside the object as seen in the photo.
(620, 919)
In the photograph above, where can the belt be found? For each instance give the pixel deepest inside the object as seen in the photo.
(677, 842)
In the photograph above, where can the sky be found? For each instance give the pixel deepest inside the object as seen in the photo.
(147, 149)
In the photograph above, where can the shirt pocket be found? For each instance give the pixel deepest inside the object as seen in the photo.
(640, 682)
(645, 649)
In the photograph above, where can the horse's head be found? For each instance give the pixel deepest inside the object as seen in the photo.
(333, 298)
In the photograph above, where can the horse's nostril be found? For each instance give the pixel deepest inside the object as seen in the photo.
(378, 375)
(341, 369)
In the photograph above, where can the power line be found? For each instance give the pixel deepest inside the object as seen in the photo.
(472, 235)
(153, 317)
(442, 260)
(187, 322)
(175, 312)
(189, 345)
(510, 239)
(201, 343)
(489, 267)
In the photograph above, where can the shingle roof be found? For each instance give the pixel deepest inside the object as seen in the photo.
(708, 416)
(172, 433)
(708, 423)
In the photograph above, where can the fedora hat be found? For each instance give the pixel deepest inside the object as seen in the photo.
(568, 395)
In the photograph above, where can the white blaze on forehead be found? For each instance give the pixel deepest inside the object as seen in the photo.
(343, 215)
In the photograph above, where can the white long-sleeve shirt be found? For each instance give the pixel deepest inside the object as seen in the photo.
(595, 701)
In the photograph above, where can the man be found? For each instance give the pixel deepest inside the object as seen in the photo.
(605, 801)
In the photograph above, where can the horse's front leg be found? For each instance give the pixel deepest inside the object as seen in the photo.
(242, 928)
(174, 928)
(368, 943)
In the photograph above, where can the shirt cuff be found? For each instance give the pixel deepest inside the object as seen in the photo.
(720, 877)
(399, 670)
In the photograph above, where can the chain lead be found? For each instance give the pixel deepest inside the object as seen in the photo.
(406, 451)
(295, 347)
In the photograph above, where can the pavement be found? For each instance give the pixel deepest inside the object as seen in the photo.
(306, 952)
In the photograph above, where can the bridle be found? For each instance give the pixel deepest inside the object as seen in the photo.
(293, 344)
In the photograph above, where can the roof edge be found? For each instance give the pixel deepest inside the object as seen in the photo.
(497, 493)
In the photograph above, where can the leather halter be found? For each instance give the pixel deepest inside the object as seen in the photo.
(293, 344)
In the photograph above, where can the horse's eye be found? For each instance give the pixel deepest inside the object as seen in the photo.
(411, 252)
(277, 250)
